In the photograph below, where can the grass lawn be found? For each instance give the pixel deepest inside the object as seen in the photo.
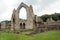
(50, 35)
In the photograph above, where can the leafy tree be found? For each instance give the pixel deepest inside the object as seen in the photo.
(55, 17)
(45, 17)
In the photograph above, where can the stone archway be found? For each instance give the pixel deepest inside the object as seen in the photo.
(24, 25)
(21, 25)
(30, 17)
(23, 13)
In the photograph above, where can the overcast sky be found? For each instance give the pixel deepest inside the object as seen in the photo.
(40, 7)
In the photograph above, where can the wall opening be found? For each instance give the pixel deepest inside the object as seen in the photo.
(23, 13)
(23, 25)
(20, 25)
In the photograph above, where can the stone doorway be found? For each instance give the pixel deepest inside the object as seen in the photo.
(22, 25)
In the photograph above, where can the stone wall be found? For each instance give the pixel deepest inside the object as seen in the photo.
(32, 22)
(5, 24)
(15, 21)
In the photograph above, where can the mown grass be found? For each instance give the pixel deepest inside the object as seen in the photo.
(50, 35)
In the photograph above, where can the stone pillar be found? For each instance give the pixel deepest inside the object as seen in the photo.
(17, 25)
(30, 17)
(13, 20)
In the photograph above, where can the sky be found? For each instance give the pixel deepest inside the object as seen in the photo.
(40, 7)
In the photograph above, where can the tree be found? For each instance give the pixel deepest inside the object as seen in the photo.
(55, 17)
(45, 17)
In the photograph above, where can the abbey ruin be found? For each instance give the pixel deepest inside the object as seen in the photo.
(32, 22)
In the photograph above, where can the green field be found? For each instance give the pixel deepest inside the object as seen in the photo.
(50, 35)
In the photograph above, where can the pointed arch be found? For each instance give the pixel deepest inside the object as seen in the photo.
(23, 13)
(30, 16)
(22, 5)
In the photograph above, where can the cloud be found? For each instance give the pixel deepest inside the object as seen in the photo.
(40, 7)
(54, 7)
(6, 8)
(2, 7)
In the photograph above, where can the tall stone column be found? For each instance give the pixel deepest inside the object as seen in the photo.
(30, 18)
(13, 20)
(17, 27)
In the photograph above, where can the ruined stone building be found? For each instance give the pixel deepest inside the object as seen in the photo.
(32, 22)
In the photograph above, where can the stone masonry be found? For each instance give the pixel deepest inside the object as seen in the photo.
(33, 22)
